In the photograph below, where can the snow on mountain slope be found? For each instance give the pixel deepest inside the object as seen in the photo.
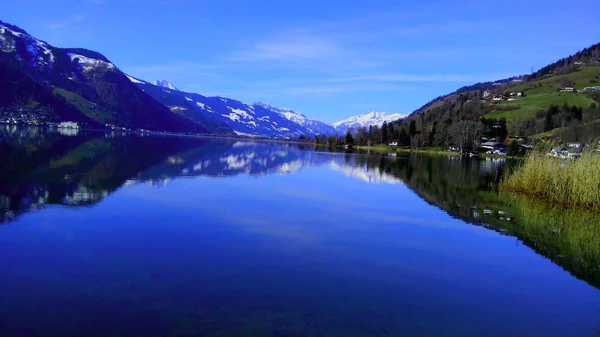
(258, 119)
(87, 63)
(314, 126)
(365, 120)
(164, 84)
(72, 82)
(133, 79)
(38, 53)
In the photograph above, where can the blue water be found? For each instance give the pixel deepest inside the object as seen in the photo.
(312, 244)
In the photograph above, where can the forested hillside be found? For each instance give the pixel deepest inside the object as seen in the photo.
(561, 100)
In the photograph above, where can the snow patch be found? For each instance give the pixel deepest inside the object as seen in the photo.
(241, 113)
(134, 80)
(233, 117)
(244, 134)
(87, 63)
(7, 44)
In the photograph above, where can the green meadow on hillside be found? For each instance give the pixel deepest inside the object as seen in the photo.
(86, 107)
(541, 94)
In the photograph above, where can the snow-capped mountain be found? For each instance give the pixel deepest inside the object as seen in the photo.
(80, 85)
(365, 120)
(76, 84)
(164, 84)
(232, 116)
(314, 126)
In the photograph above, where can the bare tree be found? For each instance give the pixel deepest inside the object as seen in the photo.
(465, 132)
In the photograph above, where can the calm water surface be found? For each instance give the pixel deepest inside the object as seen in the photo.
(109, 235)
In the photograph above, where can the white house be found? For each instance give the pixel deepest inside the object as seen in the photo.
(498, 98)
(567, 89)
(558, 152)
(489, 145)
(486, 94)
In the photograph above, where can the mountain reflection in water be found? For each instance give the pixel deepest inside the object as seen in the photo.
(82, 168)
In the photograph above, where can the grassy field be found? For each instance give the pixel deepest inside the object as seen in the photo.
(83, 105)
(530, 105)
(572, 183)
(542, 94)
(396, 149)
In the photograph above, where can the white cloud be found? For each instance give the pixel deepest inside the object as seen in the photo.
(74, 19)
(290, 48)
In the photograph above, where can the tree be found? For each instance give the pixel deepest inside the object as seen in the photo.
(384, 133)
(349, 139)
(548, 122)
(502, 131)
(465, 132)
(412, 129)
(513, 149)
(576, 112)
(392, 132)
(432, 134)
(403, 138)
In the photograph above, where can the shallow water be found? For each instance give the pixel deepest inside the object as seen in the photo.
(109, 235)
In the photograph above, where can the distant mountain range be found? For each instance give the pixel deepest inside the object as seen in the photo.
(366, 120)
(256, 119)
(51, 84)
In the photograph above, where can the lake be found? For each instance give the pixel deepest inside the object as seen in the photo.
(106, 234)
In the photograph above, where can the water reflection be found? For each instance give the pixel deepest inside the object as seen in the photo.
(81, 169)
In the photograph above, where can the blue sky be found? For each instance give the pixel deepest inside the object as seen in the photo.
(328, 59)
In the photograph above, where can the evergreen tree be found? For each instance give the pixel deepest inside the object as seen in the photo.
(502, 131)
(548, 122)
(403, 138)
(349, 139)
(412, 129)
(432, 134)
(384, 133)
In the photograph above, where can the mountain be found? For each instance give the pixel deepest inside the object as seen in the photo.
(164, 84)
(76, 84)
(43, 83)
(365, 120)
(522, 97)
(314, 126)
(561, 100)
(227, 115)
